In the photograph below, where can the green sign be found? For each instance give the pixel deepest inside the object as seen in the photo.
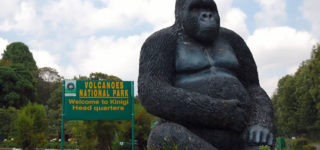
(98, 100)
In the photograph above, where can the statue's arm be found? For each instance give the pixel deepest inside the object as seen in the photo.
(161, 98)
(260, 106)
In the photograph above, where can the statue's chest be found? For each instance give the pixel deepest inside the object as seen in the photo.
(193, 58)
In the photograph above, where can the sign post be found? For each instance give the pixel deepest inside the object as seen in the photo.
(62, 119)
(97, 100)
(132, 117)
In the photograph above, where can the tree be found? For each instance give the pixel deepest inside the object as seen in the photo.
(48, 79)
(32, 126)
(17, 85)
(297, 99)
(7, 118)
(54, 113)
(103, 76)
(285, 106)
(19, 53)
(17, 76)
(98, 134)
(143, 122)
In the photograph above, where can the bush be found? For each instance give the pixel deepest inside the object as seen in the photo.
(32, 126)
(52, 145)
(264, 148)
(299, 143)
(308, 147)
(8, 143)
(57, 145)
(7, 120)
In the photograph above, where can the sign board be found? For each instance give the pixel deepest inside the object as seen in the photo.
(98, 100)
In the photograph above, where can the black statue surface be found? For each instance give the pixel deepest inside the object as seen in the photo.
(201, 80)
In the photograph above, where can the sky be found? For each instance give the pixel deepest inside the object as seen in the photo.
(77, 37)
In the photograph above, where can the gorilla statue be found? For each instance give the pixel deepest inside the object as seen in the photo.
(201, 80)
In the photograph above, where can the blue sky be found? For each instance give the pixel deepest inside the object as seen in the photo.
(77, 37)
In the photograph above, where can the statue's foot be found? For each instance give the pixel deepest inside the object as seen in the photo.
(172, 135)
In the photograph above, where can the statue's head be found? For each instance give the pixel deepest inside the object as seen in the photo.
(199, 19)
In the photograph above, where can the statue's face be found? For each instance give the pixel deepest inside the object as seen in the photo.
(200, 19)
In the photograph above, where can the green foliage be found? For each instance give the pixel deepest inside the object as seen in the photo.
(264, 148)
(32, 126)
(17, 76)
(57, 145)
(297, 100)
(84, 133)
(93, 134)
(98, 76)
(9, 143)
(7, 117)
(298, 143)
(109, 133)
(103, 76)
(48, 79)
(171, 147)
(54, 101)
(142, 126)
(18, 53)
(54, 113)
(17, 86)
(309, 147)
(116, 143)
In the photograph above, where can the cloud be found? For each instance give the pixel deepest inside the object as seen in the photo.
(114, 56)
(235, 19)
(80, 30)
(85, 18)
(232, 18)
(25, 20)
(224, 6)
(3, 45)
(46, 59)
(278, 51)
(273, 13)
(8, 7)
(310, 10)
(69, 71)
(118, 57)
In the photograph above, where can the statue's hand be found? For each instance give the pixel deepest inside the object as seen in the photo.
(259, 135)
(237, 118)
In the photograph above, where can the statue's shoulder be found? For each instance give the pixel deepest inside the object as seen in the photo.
(164, 35)
(162, 40)
(229, 34)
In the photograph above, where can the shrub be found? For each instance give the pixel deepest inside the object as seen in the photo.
(8, 143)
(57, 145)
(7, 120)
(32, 126)
(264, 148)
(299, 143)
(309, 147)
